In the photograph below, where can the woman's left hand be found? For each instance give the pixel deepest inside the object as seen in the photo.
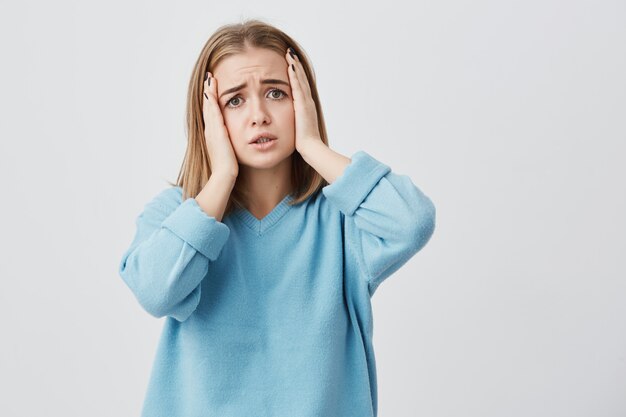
(307, 130)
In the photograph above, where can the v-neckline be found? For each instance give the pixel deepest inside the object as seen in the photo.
(259, 226)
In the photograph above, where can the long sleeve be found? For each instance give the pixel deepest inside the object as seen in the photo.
(387, 218)
(171, 253)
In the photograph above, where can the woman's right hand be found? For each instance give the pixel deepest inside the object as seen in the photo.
(221, 153)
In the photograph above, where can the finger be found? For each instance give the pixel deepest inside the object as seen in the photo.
(209, 94)
(207, 85)
(297, 90)
(205, 100)
(297, 67)
(211, 105)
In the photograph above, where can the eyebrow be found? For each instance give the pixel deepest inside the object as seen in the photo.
(244, 85)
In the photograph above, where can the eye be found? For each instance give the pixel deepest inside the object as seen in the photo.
(276, 90)
(282, 95)
(229, 102)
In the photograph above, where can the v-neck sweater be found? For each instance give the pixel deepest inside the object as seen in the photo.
(272, 316)
(261, 225)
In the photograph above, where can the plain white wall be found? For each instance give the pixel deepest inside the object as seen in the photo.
(510, 115)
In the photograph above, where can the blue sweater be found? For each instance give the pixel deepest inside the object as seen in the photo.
(272, 317)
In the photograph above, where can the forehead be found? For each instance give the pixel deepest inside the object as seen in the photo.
(256, 62)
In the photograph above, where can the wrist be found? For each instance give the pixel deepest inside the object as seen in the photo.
(308, 147)
(227, 177)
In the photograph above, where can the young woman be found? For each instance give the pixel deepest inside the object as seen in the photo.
(265, 254)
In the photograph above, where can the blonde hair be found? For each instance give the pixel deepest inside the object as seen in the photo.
(229, 40)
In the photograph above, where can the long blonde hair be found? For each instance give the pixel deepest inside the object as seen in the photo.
(228, 40)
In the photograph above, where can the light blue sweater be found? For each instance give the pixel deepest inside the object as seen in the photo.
(272, 317)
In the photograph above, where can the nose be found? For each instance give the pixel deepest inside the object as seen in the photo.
(260, 114)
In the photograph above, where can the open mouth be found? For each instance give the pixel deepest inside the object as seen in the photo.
(263, 144)
(263, 140)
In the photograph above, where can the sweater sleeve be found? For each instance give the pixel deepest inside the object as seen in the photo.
(387, 219)
(171, 253)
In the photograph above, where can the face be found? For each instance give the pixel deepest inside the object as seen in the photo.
(258, 107)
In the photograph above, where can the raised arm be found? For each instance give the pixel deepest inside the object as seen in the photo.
(171, 253)
(387, 218)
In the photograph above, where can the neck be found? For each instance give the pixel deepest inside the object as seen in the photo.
(265, 188)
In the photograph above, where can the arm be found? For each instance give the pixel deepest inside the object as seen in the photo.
(214, 195)
(387, 218)
(171, 253)
(328, 163)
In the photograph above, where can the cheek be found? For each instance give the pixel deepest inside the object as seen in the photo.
(287, 119)
(289, 123)
(288, 114)
(232, 122)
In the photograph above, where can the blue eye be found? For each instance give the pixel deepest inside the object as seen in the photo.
(273, 90)
(228, 103)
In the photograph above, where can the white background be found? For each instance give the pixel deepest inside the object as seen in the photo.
(509, 115)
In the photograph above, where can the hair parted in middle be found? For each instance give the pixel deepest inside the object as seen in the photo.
(229, 40)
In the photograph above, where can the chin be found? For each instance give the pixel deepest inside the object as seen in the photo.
(266, 160)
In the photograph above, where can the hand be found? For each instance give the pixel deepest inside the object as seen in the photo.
(220, 149)
(307, 130)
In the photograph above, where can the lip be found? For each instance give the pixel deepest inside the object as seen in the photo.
(262, 135)
(264, 146)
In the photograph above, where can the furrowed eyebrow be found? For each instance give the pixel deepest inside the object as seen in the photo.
(244, 85)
